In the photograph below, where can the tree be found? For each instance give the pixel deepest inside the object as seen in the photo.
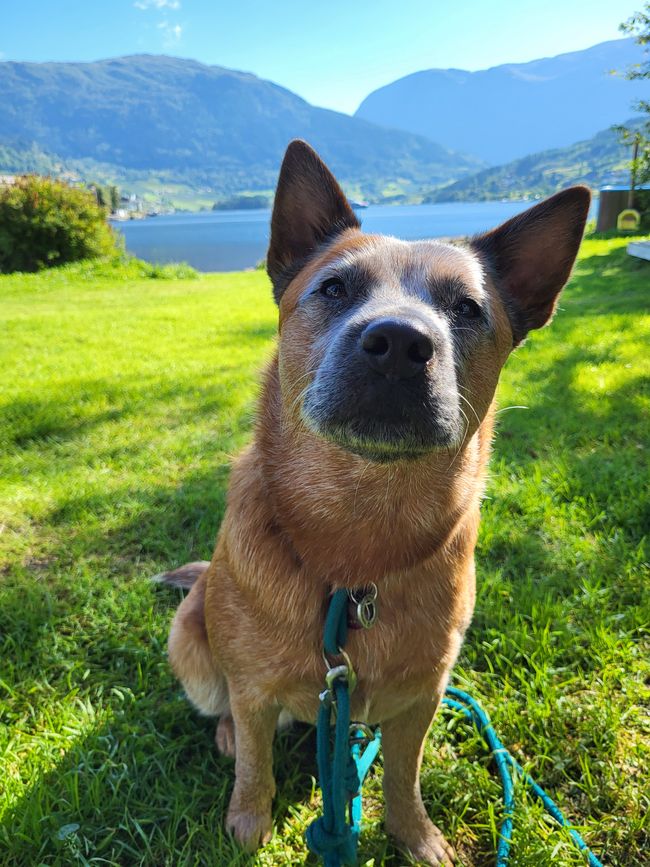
(114, 198)
(639, 27)
(44, 222)
(101, 197)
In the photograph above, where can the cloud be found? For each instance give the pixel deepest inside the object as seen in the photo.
(157, 4)
(171, 33)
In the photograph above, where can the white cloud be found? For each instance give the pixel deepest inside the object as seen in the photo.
(157, 4)
(171, 33)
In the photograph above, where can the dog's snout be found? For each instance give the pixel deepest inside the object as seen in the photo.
(396, 348)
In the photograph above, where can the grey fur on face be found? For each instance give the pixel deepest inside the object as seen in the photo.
(376, 408)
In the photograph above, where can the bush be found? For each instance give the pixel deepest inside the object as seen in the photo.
(44, 222)
(123, 267)
(171, 271)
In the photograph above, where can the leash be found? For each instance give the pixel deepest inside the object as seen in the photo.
(334, 835)
(470, 708)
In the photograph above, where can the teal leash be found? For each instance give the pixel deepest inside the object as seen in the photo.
(334, 835)
(470, 708)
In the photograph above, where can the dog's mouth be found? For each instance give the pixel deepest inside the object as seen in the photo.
(384, 439)
(381, 410)
(372, 449)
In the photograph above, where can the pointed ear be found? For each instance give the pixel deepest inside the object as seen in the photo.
(309, 209)
(531, 256)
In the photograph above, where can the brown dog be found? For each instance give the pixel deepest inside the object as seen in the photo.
(367, 465)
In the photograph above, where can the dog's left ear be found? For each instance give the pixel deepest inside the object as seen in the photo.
(531, 256)
(309, 209)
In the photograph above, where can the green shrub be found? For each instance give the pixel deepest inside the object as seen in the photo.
(121, 267)
(171, 271)
(44, 222)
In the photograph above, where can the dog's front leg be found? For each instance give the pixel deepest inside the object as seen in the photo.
(406, 817)
(249, 813)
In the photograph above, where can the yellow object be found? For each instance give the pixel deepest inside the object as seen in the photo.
(628, 220)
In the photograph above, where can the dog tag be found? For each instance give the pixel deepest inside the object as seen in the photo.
(367, 612)
(367, 607)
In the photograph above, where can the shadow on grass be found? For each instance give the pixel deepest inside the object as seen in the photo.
(154, 772)
(68, 414)
(164, 523)
(116, 771)
(596, 435)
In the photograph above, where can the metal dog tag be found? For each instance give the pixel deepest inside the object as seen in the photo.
(367, 612)
(367, 607)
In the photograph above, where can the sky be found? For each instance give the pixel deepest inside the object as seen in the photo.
(331, 52)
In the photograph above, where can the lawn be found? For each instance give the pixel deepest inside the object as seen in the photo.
(122, 400)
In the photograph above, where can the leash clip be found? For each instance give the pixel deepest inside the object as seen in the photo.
(339, 672)
(344, 672)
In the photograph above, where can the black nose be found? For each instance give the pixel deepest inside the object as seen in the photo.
(395, 347)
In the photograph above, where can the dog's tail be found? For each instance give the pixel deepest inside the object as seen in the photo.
(185, 576)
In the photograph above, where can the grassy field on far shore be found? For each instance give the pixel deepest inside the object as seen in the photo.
(123, 399)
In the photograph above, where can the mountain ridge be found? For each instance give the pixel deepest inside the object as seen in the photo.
(508, 111)
(175, 127)
(598, 161)
(226, 128)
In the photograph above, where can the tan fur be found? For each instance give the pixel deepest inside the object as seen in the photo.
(305, 517)
(190, 655)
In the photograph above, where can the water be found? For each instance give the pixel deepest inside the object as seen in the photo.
(234, 240)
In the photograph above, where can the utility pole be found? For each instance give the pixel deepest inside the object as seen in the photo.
(633, 170)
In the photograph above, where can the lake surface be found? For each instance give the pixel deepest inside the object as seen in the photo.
(234, 240)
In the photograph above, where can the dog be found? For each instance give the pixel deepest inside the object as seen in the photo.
(367, 467)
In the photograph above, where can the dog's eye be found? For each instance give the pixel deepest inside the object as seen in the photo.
(468, 308)
(333, 289)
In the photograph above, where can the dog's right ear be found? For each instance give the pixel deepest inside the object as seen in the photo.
(310, 208)
(531, 256)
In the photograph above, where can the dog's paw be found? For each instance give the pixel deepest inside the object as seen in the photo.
(224, 736)
(251, 830)
(429, 848)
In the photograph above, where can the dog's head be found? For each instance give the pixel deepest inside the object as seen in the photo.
(392, 349)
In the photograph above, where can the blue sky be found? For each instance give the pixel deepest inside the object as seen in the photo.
(331, 52)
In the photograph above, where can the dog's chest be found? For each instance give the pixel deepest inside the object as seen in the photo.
(400, 658)
(266, 615)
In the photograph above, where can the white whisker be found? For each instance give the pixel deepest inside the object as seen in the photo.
(462, 397)
(506, 408)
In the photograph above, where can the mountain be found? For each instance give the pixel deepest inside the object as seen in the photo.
(598, 161)
(27, 157)
(516, 109)
(216, 128)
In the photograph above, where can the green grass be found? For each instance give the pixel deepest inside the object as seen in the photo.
(123, 398)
